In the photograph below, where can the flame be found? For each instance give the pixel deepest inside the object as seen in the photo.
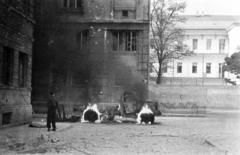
(94, 108)
(145, 110)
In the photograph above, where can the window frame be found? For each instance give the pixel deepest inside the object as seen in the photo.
(208, 68)
(165, 67)
(195, 44)
(72, 4)
(125, 13)
(194, 68)
(209, 44)
(124, 41)
(81, 38)
(222, 45)
(179, 67)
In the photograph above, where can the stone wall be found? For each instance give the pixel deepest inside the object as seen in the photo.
(16, 30)
(225, 97)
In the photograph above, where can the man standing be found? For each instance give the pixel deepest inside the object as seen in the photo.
(122, 106)
(52, 105)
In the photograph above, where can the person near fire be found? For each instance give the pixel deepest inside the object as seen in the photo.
(121, 105)
(53, 107)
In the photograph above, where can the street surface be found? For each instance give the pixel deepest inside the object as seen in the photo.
(215, 134)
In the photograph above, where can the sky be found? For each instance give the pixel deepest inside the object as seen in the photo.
(220, 7)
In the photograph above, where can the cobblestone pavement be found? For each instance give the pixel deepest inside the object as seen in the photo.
(217, 133)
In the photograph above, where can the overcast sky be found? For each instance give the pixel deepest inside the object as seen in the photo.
(221, 7)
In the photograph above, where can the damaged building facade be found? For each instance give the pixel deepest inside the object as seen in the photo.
(90, 50)
(16, 38)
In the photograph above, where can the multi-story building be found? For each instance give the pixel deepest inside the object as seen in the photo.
(90, 49)
(209, 37)
(16, 37)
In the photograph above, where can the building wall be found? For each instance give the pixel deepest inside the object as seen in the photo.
(16, 28)
(202, 55)
(201, 60)
(202, 36)
(95, 68)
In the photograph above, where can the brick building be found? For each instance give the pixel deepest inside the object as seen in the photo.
(16, 37)
(95, 50)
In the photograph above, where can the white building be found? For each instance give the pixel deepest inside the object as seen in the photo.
(211, 38)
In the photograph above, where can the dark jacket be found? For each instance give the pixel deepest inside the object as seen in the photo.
(52, 105)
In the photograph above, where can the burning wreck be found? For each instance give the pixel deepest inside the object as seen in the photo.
(91, 114)
(146, 115)
(91, 49)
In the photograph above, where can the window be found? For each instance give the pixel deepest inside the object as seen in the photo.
(195, 44)
(6, 118)
(125, 41)
(208, 68)
(72, 4)
(22, 69)
(7, 66)
(220, 65)
(165, 68)
(194, 68)
(124, 13)
(221, 45)
(209, 44)
(179, 67)
(81, 39)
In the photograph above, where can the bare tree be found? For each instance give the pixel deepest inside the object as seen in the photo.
(167, 38)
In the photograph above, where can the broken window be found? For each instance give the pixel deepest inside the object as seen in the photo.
(125, 41)
(194, 68)
(22, 69)
(7, 66)
(179, 67)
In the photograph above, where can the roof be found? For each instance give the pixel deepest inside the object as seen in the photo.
(209, 21)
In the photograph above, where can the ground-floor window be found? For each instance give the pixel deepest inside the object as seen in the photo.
(194, 68)
(165, 68)
(208, 68)
(179, 67)
(220, 70)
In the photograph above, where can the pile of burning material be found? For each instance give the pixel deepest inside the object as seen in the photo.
(145, 115)
(91, 114)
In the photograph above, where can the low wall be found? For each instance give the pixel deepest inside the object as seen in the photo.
(227, 97)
